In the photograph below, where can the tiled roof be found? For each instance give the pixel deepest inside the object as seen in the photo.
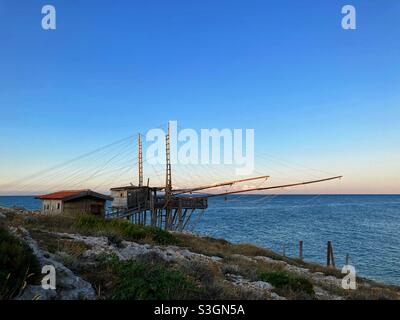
(61, 194)
(72, 194)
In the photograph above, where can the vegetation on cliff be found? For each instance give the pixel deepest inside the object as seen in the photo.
(18, 265)
(125, 261)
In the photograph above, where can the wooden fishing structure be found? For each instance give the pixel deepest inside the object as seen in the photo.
(168, 208)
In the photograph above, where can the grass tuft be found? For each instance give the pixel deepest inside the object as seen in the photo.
(18, 265)
(289, 284)
(95, 225)
(145, 279)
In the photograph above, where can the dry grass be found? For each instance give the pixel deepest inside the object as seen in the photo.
(210, 278)
(248, 268)
(18, 265)
(55, 244)
(224, 249)
(51, 223)
(93, 226)
(213, 286)
(367, 289)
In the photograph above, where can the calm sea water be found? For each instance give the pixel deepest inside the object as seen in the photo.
(365, 227)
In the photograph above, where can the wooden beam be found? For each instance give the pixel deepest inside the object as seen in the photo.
(274, 187)
(227, 183)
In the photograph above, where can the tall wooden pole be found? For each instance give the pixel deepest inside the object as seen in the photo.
(168, 181)
(140, 162)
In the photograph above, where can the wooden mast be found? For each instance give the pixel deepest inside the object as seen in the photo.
(168, 181)
(140, 161)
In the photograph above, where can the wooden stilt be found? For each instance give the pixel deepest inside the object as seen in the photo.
(180, 217)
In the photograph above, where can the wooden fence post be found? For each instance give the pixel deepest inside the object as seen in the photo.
(328, 254)
(330, 259)
(301, 249)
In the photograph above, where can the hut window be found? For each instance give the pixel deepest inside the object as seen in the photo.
(58, 206)
(121, 194)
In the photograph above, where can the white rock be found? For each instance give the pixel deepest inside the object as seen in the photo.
(37, 293)
(324, 295)
(69, 286)
(271, 261)
(240, 256)
(262, 285)
(275, 296)
(215, 258)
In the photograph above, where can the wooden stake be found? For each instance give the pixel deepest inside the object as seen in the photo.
(328, 254)
(330, 259)
(301, 249)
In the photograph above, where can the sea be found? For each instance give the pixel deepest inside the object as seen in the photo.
(364, 227)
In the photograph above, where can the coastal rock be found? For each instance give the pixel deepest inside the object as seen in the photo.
(255, 285)
(216, 259)
(270, 260)
(2, 216)
(275, 296)
(130, 250)
(322, 279)
(240, 256)
(322, 294)
(300, 271)
(37, 293)
(262, 285)
(69, 286)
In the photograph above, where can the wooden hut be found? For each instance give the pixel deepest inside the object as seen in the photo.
(74, 202)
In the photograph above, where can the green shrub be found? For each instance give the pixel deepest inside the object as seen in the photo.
(285, 282)
(17, 265)
(147, 279)
(161, 236)
(128, 231)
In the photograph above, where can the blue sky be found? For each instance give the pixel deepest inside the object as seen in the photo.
(314, 93)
